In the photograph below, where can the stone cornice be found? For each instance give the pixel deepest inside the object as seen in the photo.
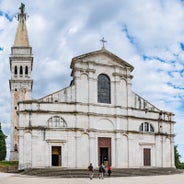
(125, 116)
(90, 130)
(122, 75)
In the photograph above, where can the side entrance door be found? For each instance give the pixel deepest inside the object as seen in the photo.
(147, 157)
(56, 155)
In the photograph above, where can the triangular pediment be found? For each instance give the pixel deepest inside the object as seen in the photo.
(102, 56)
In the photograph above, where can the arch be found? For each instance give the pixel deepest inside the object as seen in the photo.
(56, 122)
(27, 146)
(85, 87)
(104, 89)
(104, 124)
(83, 145)
(146, 127)
(84, 133)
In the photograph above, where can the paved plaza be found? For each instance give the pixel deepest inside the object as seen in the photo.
(6, 178)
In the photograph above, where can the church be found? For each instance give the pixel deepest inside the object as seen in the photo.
(96, 119)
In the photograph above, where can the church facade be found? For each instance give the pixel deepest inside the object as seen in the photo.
(96, 119)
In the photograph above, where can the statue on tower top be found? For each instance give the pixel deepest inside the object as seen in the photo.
(22, 15)
(22, 8)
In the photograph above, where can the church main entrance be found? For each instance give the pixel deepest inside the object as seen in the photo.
(56, 155)
(104, 150)
(104, 155)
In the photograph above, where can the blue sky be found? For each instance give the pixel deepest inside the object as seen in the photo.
(147, 34)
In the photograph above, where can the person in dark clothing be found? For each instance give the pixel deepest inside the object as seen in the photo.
(91, 171)
(109, 170)
(101, 171)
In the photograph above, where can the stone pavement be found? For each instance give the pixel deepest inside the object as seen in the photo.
(6, 178)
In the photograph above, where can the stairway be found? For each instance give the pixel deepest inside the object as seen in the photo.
(83, 173)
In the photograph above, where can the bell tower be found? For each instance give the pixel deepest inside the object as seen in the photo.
(21, 63)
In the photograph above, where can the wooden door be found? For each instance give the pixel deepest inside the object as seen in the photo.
(147, 157)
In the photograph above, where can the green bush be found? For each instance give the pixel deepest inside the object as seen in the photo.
(2, 145)
(180, 166)
(8, 163)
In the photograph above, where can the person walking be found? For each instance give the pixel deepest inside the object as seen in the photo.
(109, 170)
(91, 171)
(101, 171)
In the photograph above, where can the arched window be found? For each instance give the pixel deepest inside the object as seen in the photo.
(26, 70)
(56, 122)
(15, 70)
(104, 89)
(21, 70)
(146, 127)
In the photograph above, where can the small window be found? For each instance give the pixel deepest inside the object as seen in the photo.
(146, 127)
(26, 70)
(15, 147)
(21, 70)
(15, 70)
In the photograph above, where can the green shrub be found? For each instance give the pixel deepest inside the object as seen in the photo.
(2, 145)
(180, 166)
(8, 163)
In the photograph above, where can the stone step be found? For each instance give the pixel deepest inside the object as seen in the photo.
(83, 173)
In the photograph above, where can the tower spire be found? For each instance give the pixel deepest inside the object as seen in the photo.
(21, 38)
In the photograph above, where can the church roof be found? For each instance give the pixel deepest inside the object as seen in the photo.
(102, 51)
(21, 38)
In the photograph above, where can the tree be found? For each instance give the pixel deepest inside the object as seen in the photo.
(177, 157)
(2, 145)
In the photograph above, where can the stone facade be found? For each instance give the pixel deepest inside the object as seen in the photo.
(74, 126)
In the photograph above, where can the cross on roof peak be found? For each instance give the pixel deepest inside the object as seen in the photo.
(103, 42)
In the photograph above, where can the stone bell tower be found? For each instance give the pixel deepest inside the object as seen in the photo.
(21, 63)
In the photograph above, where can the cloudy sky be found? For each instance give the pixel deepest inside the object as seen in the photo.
(149, 34)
